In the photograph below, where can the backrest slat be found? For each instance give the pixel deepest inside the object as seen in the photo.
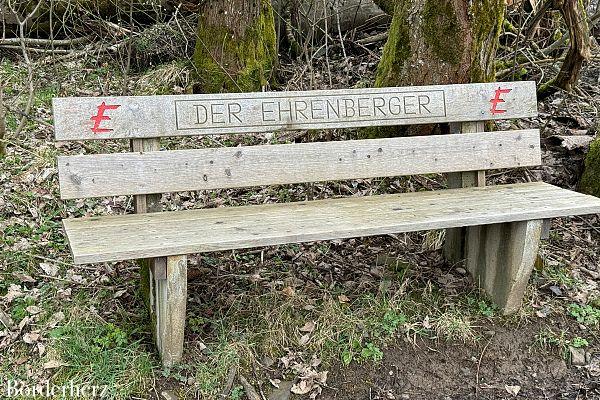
(95, 118)
(212, 168)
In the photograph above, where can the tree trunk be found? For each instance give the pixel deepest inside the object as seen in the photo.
(575, 16)
(235, 47)
(438, 42)
(590, 181)
(313, 16)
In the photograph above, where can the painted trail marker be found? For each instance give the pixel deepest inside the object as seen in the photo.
(203, 114)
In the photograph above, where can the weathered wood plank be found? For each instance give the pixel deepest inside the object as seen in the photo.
(455, 243)
(171, 171)
(170, 306)
(111, 238)
(202, 114)
(502, 258)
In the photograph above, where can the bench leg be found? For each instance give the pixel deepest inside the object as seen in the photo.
(500, 258)
(168, 304)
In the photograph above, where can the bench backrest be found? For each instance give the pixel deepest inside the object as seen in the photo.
(142, 117)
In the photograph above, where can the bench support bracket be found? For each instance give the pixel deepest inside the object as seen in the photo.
(455, 245)
(163, 281)
(500, 257)
(168, 306)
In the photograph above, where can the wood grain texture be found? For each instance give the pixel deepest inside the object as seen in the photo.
(455, 243)
(111, 238)
(501, 259)
(96, 118)
(170, 308)
(171, 171)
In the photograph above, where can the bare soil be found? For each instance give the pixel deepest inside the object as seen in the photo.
(447, 371)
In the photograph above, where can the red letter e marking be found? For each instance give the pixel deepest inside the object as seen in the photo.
(98, 118)
(499, 92)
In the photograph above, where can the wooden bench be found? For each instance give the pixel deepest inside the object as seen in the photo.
(497, 229)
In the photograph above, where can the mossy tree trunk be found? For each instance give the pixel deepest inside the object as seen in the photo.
(590, 181)
(236, 46)
(438, 42)
(575, 16)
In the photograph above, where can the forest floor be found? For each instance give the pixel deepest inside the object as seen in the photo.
(367, 318)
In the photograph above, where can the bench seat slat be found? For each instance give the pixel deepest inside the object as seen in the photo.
(214, 168)
(112, 238)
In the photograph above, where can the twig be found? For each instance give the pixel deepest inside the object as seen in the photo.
(2, 123)
(251, 393)
(22, 24)
(337, 16)
(327, 44)
(44, 42)
(479, 366)
(28, 116)
(36, 50)
(373, 39)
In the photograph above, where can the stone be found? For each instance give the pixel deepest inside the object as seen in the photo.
(577, 356)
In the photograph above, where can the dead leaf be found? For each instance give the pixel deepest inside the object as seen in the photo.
(426, 323)
(304, 339)
(31, 337)
(14, 291)
(302, 387)
(49, 269)
(33, 310)
(275, 382)
(343, 298)
(308, 327)
(514, 390)
(55, 319)
(119, 293)
(6, 320)
(41, 349)
(53, 364)
(23, 278)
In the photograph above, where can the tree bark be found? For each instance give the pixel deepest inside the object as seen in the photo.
(590, 181)
(575, 16)
(312, 16)
(438, 42)
(235, 47)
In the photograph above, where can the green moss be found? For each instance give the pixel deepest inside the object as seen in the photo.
(397, 49)
(442, 31)
(245, 62)
(487, 17)
(590, 181)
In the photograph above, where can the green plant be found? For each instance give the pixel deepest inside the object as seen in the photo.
(112, 337)
(371, 352)
(97, 353)
(548, 339)
(560, 275)
(19, 309)
(237, 393)
(391, 321)
(587, 315)
(579, 342)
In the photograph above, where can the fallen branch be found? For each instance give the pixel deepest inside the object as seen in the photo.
(373, 39)
(36, 50)
(44, 42)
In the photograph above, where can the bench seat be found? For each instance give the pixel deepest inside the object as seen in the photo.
(122, 237)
